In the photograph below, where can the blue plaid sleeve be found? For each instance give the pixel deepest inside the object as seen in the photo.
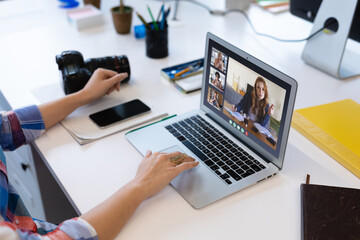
(31, 122)
(20, 126)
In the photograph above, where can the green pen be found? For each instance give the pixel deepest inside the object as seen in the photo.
(152, 18)
(163, 119)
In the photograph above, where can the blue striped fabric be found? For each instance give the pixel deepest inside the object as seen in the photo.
(17, 128)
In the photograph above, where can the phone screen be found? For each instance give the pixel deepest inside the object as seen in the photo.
(119, 113)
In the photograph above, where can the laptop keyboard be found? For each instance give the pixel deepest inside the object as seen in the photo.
(226, 159)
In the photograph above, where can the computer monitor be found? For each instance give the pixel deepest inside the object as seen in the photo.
(307, 9)
(326, 51)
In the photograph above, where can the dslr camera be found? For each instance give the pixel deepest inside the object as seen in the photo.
(76, 72)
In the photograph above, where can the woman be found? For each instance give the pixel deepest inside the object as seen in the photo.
(21, 126)
(219, 64)
(214, 100)
(216, 81)
(255, 103)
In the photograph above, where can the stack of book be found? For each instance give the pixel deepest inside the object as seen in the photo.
(274, 6)
(186, 77)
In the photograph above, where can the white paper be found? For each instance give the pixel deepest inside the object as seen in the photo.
(264, 131)
(237, 115)
(190, 83)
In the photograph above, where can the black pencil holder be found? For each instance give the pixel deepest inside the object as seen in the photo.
(157, 41)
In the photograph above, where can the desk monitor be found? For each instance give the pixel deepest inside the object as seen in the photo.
(326, 51)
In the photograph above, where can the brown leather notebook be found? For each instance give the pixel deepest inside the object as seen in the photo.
(330, 212)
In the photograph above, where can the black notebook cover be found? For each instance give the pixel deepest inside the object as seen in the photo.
(330, 212)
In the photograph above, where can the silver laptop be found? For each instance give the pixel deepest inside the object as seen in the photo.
(239, 133)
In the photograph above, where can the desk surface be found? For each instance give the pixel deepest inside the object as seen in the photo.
(270, 209)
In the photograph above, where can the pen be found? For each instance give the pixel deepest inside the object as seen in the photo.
(160, 12)
(190, 68)
(163, 119)
(155, 25)
(167, 12)
(143, 20)
(163, 19)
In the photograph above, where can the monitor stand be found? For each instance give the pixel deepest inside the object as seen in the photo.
(326, 51)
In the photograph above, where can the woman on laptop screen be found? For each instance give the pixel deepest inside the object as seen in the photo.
(255, 104)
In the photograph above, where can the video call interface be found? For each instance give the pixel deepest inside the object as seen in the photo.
(247, 99)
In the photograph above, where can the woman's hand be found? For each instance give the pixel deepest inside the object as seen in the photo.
(271, 110)
(103, 81)
(156, 171)
(234, 109)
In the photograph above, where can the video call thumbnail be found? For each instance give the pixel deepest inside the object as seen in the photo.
(217, 79)
(215, 98)
(219, 60)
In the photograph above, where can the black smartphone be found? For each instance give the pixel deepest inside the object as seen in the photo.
(119, 113)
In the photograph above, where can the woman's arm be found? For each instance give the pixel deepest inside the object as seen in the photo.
(101, 82)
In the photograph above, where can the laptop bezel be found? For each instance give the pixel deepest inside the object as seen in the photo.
(277, 161)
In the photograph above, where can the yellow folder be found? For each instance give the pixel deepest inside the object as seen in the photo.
(335, 128)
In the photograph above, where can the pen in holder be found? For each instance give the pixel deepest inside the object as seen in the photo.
(157, 40)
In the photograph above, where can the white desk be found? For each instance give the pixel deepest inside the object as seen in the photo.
(91, 173)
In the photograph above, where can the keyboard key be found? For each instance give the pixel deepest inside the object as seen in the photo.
(194, 150)
(218, 172)
(234, 175)
(250, 171)
(229, 162)
(240, 171)
(225, 167)
(219, 154)
(176, 134)
(234, 166)
(209, 163)
(220, 163)
(181, 138)
(225, 176)
(202, 147)
(255, 168)
(228, 181)
(215, 159)
(214, 167)
(245, 167)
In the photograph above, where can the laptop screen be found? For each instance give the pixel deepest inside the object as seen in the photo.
(248, 97)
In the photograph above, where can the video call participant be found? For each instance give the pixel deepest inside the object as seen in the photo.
(255, 104)
(104, 221)
(216, 81)
(219, 64)
(214, 100)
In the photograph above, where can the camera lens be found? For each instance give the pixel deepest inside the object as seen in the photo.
(119, 64)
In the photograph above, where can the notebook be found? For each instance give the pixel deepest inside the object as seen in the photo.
(334, 128)
(329, 212)
(231, 153)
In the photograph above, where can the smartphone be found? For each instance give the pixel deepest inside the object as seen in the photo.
(121, 112)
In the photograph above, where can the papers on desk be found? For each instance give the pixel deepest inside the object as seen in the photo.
(264, 131)
(78, 123)
(237, 115)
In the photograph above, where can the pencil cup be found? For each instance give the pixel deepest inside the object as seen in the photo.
(157, 41)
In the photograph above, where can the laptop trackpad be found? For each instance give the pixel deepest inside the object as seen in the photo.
(195, 185)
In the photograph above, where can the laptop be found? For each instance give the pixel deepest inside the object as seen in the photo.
(236, 149)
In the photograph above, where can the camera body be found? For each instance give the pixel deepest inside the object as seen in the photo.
(76, 72)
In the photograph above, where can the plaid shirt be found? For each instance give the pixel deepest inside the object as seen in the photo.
(17, 128)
